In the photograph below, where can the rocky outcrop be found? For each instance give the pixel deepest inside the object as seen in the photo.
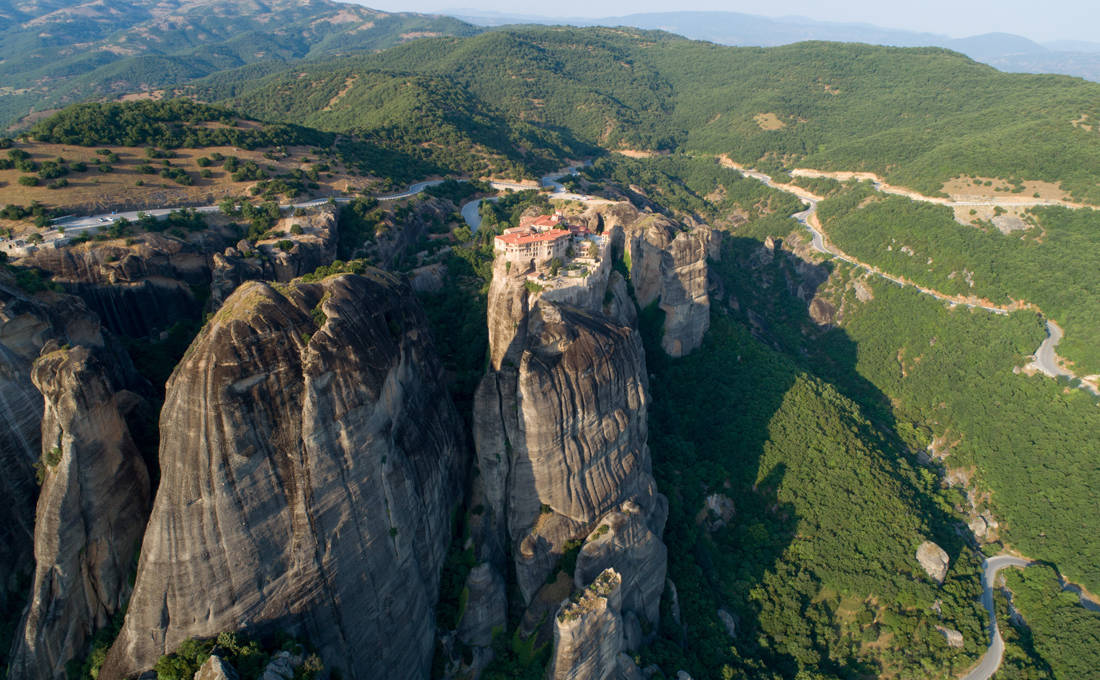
(297, 246)
(934, 560)
(485, 606)
(561, 433)
(310, 460)
(216, 669)
(625, 541)
(560, 428)
(668, 264)
(27, 322)
(588, 633)
(92, 509)
(138, 287)
(401, 234)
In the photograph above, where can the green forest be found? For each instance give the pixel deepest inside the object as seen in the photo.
(917, 116)
(1063, 633)
(1052, 265)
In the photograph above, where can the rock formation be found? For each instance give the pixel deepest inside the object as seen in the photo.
(668, 264)
(560, 428)
(310, 460)
(934, 560)
(92, 509)
(27, 322)
(624, 541)
(588, 633)
(216, 669)
(138, 288)
(560, 425)
(485, 608)
(290, 252)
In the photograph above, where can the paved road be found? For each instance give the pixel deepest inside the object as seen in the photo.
(1045, 359)
(411, 191)
(806, 219)
(991, 660)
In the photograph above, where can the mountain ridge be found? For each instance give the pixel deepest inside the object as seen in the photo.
(1005, 51)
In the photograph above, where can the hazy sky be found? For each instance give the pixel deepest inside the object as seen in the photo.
(1045, 20)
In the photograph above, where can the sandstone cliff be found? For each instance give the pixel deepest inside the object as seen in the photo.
(560, 429)
(310, 461)
(588, 633)
(92, 509)
(27, 322)
(137, 287)
(668, 263)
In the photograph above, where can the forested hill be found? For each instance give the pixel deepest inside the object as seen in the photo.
(919, 116)
(55, 52)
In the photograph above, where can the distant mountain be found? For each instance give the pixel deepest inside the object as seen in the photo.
(54, 52)
(1005, 51)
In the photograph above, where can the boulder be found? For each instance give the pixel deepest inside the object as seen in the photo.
(216, 669)
(934, 560)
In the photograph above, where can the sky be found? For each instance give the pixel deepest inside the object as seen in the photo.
(1040, 21)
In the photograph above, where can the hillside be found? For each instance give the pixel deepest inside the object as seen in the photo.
(59, 52)
(729, 449)
(1005, 51)
(919, 117)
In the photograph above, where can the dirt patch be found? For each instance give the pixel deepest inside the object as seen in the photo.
(769, 121)
(864, 292)
(638, 153)
(348, 83)
(154, 95)
(984, 188)
(1083, 123)
(1006, 219)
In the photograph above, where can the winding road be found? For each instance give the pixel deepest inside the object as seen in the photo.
(1045, 359)
(68, 226)
(991, 660)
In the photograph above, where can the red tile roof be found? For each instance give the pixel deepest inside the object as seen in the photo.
(521, 238)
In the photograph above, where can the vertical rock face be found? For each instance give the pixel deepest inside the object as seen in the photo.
(92, 509)
(560, 428)
(137, 290)
(485, 609)
(26, 323)
(310, 460)
(560, 425)
(669, 265)
(625, 541)
(588, 632)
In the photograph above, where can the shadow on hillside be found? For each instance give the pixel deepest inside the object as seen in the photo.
(710, 419)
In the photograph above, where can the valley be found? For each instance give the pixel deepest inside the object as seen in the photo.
(418, 351)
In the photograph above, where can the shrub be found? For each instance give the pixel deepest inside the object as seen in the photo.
(58, 183)
(28, 181)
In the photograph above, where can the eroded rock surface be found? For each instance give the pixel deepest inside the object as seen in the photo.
(310, 459)
(560, 428)
(140, 287)
(92, 509)
(668, 264)
(485, 606)
(27, 323)
(588, 632)
(299, 245)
